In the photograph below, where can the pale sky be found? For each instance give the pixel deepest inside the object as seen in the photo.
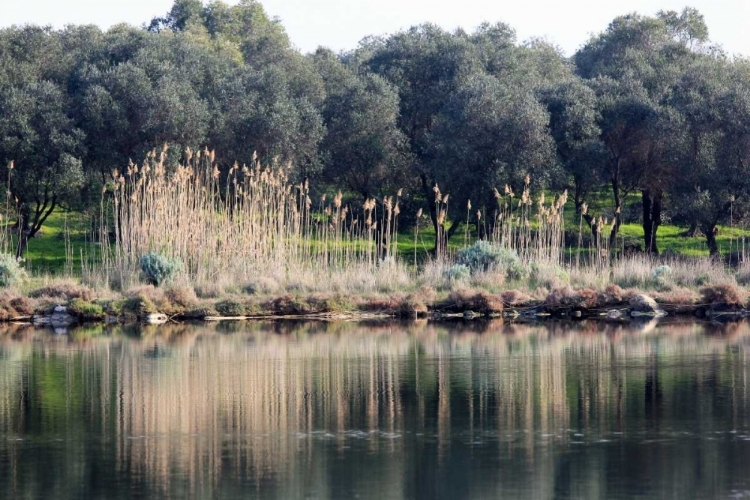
(340, 24)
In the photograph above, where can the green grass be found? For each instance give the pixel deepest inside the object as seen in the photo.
(46, 251)
(670, 238)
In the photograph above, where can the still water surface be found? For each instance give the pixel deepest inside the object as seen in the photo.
(381, 410)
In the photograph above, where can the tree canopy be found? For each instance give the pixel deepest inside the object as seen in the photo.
(647, 101)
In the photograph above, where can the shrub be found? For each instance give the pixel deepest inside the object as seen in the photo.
(329, 304)
(567, 297)
(22, 305)
(483, 255)
(86, 310)
(660, 275)
(480, 302)
(139, 305)
(288, 305)
(412, 306)
(515, 270)
(678, 297)
(182, 296)
(66, 290)
(743, 274)
(722, 294)
(613, 294)
(515, 298)
(11, 273)
(480, 256)
(230, 308)
(160, 269)
(458, 272)
(702, 279)
(154, 294)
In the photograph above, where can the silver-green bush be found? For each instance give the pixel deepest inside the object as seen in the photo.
(661, 274)
(160, 269)
(458, 272)
(483, 256)
(11, 272)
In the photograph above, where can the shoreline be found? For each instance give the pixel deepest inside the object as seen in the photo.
(467, 306)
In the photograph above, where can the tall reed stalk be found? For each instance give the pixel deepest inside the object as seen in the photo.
(239, 225)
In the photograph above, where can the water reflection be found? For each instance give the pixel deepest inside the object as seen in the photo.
(379, 410)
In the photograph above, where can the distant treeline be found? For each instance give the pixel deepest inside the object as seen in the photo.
(649, 107)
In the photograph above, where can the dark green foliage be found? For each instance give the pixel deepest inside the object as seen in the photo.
(230, 308)
(363, 148)
(87, 311)
(139, 305)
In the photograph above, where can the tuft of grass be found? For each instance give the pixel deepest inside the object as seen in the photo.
(64, 289)
(477, 301)
(230, 308)
(86, 311)
(723, 294)
(568, 297)
(412, 306)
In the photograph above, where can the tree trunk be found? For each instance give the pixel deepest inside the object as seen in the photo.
(24, 216)
(710, 230)
(651, 202)
(23, 242)
(692, 230)
(29, 224)
(618, 211)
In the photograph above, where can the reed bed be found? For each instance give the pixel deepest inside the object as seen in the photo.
(247, 224)
(251, 226)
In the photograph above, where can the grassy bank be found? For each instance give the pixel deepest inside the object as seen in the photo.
(180, 303)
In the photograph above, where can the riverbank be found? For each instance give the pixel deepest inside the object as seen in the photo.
(67, 303)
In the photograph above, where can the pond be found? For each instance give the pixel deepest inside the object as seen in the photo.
(376, 410)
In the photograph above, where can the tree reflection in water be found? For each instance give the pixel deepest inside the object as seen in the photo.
(381, 410)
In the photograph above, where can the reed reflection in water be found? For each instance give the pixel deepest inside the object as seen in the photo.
(379, 410)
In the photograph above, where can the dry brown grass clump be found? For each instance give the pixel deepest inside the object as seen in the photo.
(148, 299)
(381, 303)
(209, 291)
(481, 302)
(23, 305)
(613, 295)
(567, 297)
(289, 305)
(427, 293)
(262, 286)
(412, 306)
(724, 294)
(679, 296)
(515, 298)
(14, 306)
(65, 290)
(182, 296)
(151, 292)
